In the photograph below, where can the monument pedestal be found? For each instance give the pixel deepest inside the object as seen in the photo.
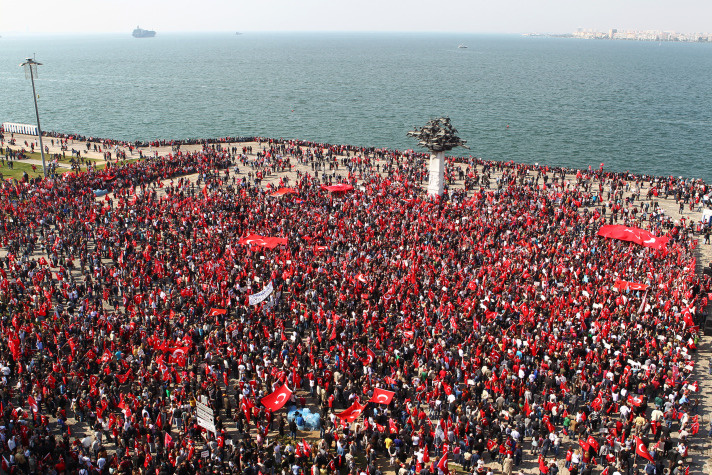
(436, 181)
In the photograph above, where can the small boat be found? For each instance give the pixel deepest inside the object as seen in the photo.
(461, 46)
(140, 33)
(237, 33)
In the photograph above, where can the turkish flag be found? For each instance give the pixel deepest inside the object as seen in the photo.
(214, 312)
(527, 410)
(338, 188)
(381, 396)
(370, 356)
(593, 443)
(641, 450)
(635, 400)
(264, 241)
(636, 235)
(276, 400)
(584, 445)
(597, 403)
(625, 285)
(33, 404)
(549, 426)
(442, 464)
(178, 351)
(123, 377)
(352, 413)
(687, 318)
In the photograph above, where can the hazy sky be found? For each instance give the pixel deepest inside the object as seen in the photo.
(476, 16)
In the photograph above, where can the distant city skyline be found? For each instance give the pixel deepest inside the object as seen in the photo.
(457, 16)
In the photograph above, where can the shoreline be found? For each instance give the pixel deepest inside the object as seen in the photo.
(165, 146)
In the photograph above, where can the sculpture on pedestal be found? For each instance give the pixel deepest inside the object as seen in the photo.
(438, 136)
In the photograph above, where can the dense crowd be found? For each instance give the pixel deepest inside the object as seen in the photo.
(491, 313)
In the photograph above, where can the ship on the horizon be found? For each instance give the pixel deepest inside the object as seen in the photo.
(140, 33)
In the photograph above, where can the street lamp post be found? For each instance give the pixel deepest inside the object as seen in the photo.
(30, 66)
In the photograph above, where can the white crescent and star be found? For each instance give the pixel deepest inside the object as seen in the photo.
(384, 396)
(652, 239)
(281, 398)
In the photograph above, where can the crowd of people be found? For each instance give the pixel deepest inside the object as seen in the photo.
(495, 315)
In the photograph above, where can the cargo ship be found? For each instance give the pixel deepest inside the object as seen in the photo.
(140, 33)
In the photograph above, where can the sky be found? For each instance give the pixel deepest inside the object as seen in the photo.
(461, 16)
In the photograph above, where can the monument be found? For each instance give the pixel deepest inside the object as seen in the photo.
(438, 136)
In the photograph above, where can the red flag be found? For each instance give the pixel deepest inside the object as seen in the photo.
(381, 396)
(636, 235)
(442, 464)
(597, 403)
(167, 439)
(527, 410)
(277, 400)
(214, 312)
(549, 426)
(33, 405)
(123, 377)
(625, 285)
(635, 400)
(593, 443)
(352, 413)
(687, 318)
(269, 242)
(584, 445)
(641, 450)
(370, 356)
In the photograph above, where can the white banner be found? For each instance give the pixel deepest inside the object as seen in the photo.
(261, 295)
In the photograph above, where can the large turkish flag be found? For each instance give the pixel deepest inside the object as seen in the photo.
(636, 235)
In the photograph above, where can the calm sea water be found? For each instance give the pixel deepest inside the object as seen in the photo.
(644, 107)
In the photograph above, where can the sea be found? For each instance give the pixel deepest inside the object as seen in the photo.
(644, 107)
